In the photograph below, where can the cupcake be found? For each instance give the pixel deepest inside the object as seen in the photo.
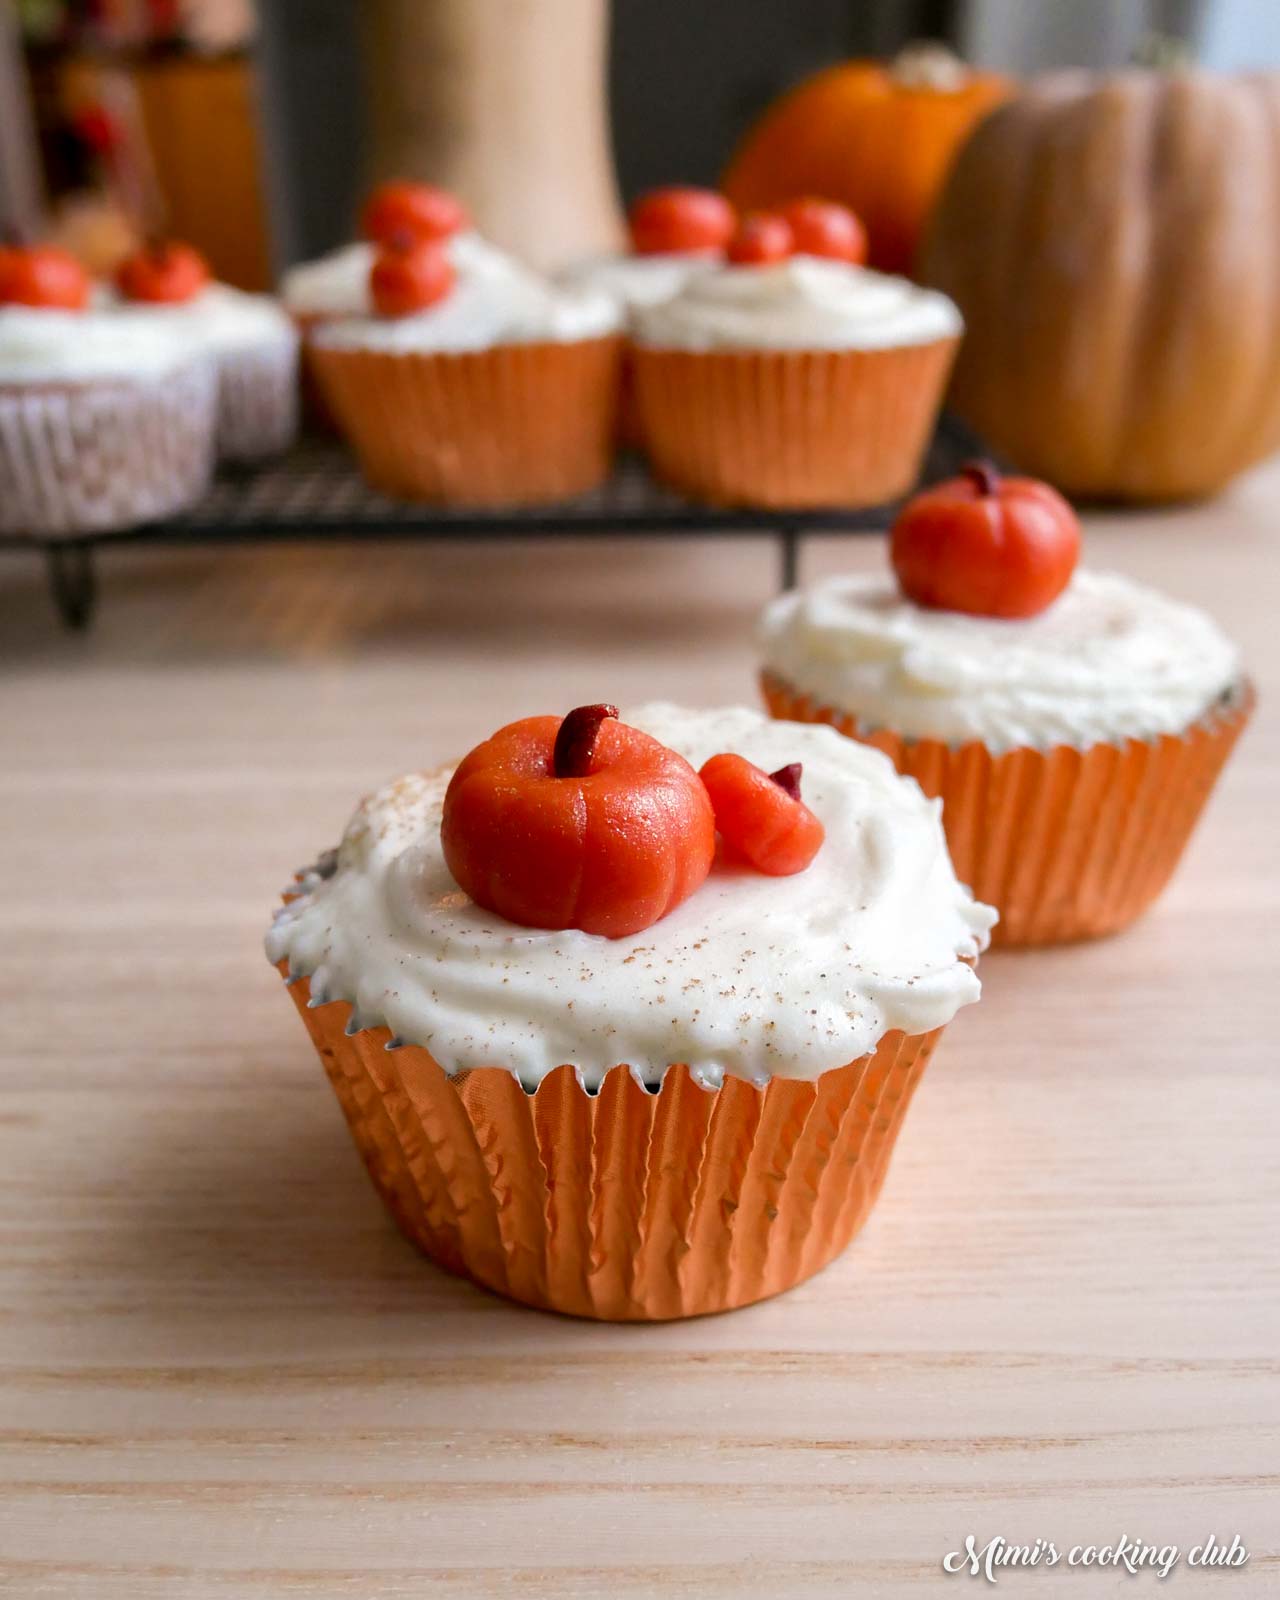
(601, 1064)
(103, 424)
(1072, 722)
(472, 387)
(676, 234)
(335, 287)
(250, 339)
(791, 377)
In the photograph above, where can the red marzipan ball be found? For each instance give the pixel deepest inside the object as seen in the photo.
(420, 209)
(675, 219)
(43, 276)
(164, 273)
(823, 228)
(409, 276)
(762, 239)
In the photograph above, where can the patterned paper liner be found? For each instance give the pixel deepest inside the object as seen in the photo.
(95, 457)
(790, 428)
(515, 424)
(630, 1204)
(1067, 843)
(258, 400)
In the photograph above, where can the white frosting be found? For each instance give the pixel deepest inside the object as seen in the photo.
(752, 975)
(222, 320)
(803, 303)
(337, 285)
(49, 346)
(639, 281)
(480, 312)
(1109, 660)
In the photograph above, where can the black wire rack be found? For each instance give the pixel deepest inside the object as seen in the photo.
(316, 493)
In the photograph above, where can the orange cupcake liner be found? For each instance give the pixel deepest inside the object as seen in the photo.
(630, 429)
(790, 428)
(630, 1204)
(315, 409)
(1066, 843)
(516, 424)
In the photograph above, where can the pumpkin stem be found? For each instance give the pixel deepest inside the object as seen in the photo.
(788, 778)
(576, 741)
(1162, 52)
(928, 64)
(982, 475)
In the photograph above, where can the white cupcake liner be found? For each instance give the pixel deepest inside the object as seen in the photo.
(258, 399)
(105, 455)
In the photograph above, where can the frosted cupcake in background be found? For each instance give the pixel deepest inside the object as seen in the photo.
(1072, 722)
(792, 376)
(249, 337)
(104, 423)
(676, 234)
(335, 287)
(758, 920)
(476, 387)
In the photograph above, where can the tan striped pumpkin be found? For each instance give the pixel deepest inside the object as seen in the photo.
(1114, 244)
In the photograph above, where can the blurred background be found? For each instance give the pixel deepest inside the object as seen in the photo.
(252, 129)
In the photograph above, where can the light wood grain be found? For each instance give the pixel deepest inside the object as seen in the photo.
(222, 1373)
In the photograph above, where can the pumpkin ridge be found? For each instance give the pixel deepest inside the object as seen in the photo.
(1264, 409)
(1139, 331)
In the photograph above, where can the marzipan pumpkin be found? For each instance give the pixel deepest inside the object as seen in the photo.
(1114, 245)
(878, 138)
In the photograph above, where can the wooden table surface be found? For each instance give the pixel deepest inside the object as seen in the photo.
(222, 1372)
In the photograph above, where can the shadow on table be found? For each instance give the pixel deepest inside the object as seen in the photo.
(244, 1230)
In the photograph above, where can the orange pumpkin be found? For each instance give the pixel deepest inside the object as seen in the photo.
(1111, 241)
(879, 138)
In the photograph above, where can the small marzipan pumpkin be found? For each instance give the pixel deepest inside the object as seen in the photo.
(985, 545)
(879, 138)
(577, 822)
(1112, 243)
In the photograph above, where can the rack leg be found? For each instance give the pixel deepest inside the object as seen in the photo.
(789, 545)
(73, 582)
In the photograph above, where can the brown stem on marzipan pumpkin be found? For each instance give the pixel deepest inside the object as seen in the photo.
(982, 475)
(576, 741)
(788, 778)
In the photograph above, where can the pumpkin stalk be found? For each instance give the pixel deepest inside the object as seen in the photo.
(1162, 52)
(788, 778)
(982, 475)
(575, 743)
(927, 64)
